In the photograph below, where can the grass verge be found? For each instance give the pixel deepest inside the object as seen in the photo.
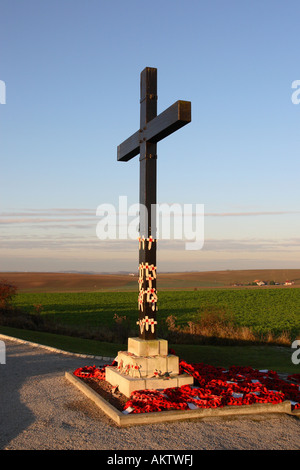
(259, 357)
(65, 343)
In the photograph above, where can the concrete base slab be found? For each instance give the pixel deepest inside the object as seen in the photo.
(146, 366)
(127, 384)
(123, 420)
(143, 347)
(296, 413)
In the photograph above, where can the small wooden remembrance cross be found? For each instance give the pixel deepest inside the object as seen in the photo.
(153, 128)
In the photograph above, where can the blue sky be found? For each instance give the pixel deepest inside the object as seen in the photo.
(72, 72)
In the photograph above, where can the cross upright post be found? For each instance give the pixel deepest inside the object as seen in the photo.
(153, 128)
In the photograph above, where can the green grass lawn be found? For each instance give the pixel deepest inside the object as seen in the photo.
(259, 357)
(264, 310)
(65, 343)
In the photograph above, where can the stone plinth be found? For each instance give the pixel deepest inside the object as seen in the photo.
(141, 347)
(146, 365)
(127, 384)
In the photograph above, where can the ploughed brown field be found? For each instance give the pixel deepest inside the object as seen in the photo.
(77, 282)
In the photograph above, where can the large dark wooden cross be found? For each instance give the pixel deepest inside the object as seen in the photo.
(152, 129)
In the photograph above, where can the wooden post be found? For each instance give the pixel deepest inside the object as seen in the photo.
(153, 128)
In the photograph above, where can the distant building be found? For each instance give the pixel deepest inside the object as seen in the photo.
(260, 283)
(289, 283)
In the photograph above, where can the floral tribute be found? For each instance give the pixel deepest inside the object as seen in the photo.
(147, 290)
(147, 323)
(90, 372)
(214, 387)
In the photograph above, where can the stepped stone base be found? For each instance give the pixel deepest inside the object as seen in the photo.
(146, 365)
(127, 385)
(142, 347)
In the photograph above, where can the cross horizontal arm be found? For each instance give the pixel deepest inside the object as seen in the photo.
(130, 147)
(173, 118)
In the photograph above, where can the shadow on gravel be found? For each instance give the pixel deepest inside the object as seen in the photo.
(14, 415)
(22, 363)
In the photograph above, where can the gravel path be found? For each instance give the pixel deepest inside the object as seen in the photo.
(41, 410)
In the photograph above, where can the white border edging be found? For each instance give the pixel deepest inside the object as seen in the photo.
(122, 419)
(55, 350)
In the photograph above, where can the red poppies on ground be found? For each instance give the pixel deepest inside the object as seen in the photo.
(213, 387)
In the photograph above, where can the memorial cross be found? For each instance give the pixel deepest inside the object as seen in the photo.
(153, 128)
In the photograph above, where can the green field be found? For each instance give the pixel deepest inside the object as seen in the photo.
(264, 310)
